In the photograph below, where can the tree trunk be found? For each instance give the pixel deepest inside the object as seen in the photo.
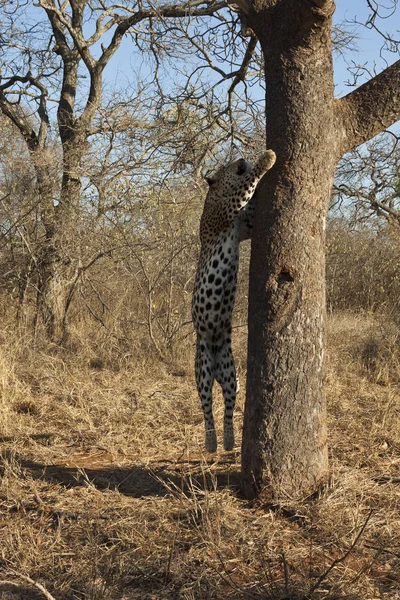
(59, 255)
(284, 434)
(51, 293)
(46, 252)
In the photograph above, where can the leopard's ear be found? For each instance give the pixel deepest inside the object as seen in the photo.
(210, 180)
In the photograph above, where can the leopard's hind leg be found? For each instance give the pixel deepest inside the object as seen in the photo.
(205, 374)
(225, 374)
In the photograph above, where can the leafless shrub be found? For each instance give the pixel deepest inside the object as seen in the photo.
(362, 268)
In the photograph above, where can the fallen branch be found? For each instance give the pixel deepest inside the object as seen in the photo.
(36, 584)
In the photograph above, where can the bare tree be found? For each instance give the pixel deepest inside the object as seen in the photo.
(284, 436)
(44, 65)
(367, 182)
(54, 59)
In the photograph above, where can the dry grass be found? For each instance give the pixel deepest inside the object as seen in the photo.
(106, 493)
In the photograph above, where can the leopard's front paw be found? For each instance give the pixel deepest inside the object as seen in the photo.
(267, 160)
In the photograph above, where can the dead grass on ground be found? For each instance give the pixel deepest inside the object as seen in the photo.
(105, 491)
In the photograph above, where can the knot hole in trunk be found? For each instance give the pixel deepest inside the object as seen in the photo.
(285, 276)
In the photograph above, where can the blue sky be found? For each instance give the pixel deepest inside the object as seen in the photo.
(369, 43)
(124, 67)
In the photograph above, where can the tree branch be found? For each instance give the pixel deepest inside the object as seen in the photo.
(13, 112)
(240, 74)
(370, 109)
(17, 116)
(60, 19)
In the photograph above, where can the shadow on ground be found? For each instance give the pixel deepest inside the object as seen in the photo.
(10, 591)
(39, 437)
(155, 478)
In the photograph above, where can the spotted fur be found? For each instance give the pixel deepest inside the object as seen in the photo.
(226, 220)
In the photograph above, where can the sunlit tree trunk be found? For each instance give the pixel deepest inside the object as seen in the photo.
(284, 436)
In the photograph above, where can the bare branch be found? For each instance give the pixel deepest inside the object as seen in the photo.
(17, 115)
(369, 109)
(343, 557)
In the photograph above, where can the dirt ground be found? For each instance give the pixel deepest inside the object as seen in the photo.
(106, 492)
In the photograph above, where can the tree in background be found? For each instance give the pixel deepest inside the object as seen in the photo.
(54, 59)
(367, 183)
(363, 231)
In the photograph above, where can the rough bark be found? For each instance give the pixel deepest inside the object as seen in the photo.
(284, 435)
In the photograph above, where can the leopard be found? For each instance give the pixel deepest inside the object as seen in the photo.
(227, 219)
